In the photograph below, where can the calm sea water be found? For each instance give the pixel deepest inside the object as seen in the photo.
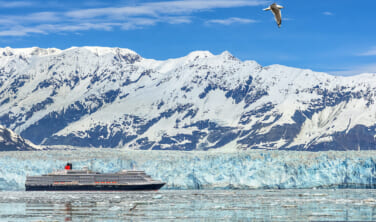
(190, 205)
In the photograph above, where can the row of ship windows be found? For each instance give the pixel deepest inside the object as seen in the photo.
(75, 178)
(83, 181)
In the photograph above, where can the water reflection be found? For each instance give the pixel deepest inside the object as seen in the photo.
(68, 212)
(269, 205)
(63, 212)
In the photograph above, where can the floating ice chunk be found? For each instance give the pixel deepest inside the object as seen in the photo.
(115, 208)
(157, 197)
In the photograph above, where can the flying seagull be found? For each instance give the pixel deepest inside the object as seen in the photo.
(276, 9)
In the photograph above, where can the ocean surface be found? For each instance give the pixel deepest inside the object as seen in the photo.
(191, 205)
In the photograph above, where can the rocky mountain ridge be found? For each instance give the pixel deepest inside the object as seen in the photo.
(9, 141)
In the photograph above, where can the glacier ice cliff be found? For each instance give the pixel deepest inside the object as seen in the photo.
(205, 170)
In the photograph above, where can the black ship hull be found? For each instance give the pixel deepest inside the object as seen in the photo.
(137, 187)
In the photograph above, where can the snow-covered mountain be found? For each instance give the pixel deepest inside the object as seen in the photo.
(9, 141)
(112, 97)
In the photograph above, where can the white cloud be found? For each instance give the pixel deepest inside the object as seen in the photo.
(177, 20)
(136, 23)
(367, 68)
(21, 31)
(328, 13)
(49, 28)
(162, 8)
(107, 18)
(78, 27)
(30, 19)
(15, 4)
(41, 17)
(371, 52)
(230, 21)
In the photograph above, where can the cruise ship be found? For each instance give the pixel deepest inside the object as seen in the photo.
(69, 179)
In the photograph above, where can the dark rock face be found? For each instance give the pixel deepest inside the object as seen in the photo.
(358, 138)
(102, 97)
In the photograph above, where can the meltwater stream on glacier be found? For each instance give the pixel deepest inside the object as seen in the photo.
(205, 170)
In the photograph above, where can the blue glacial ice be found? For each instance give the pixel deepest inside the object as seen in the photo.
(205, 170)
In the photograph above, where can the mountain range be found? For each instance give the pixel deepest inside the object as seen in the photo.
(113, 97)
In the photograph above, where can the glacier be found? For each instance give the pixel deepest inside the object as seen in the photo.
(257, 169)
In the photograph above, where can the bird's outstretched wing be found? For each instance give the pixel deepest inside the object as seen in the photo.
(276, 9)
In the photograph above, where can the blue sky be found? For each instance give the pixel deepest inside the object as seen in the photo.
(332, 36)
